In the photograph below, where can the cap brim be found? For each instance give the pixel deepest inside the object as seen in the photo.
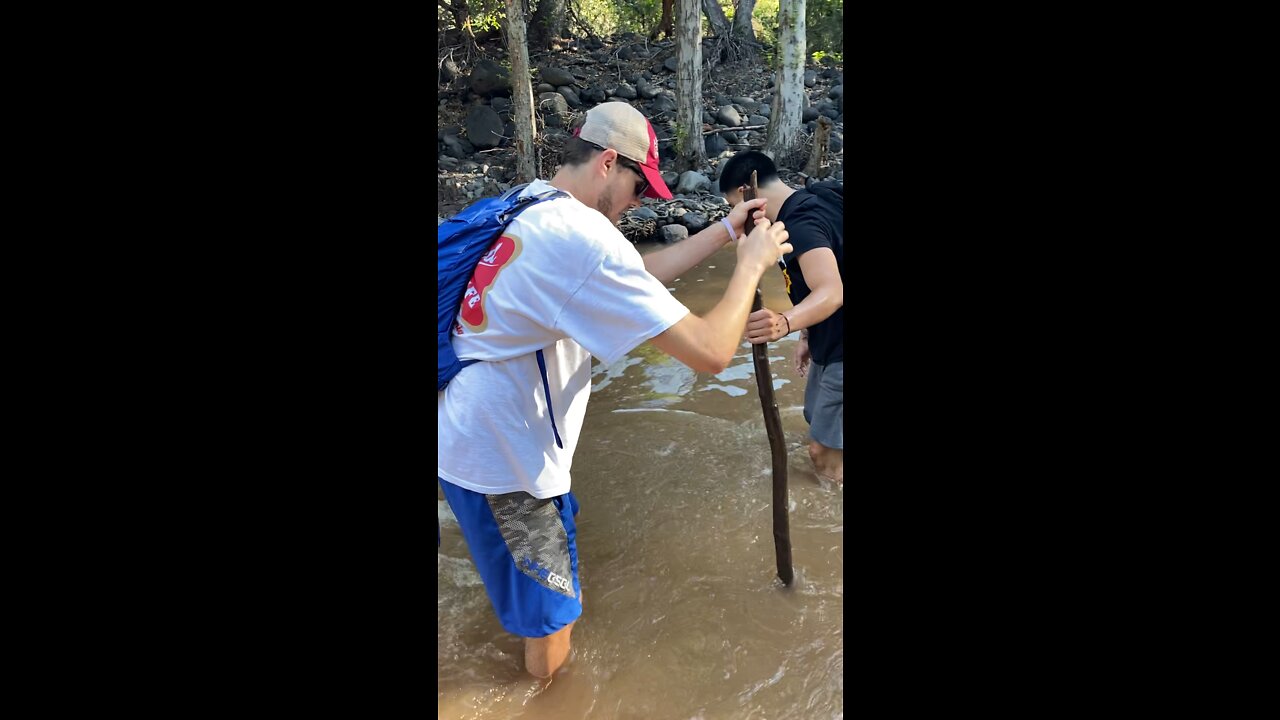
(657, 188)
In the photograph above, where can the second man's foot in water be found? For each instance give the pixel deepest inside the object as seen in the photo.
(828, 463)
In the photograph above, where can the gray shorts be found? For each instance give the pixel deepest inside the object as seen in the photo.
(824, 404)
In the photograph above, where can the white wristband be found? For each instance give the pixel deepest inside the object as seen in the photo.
(732, 236)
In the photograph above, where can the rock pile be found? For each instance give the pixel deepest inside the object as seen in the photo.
(475, 130)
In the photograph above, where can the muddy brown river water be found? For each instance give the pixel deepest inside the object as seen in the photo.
(684, 617)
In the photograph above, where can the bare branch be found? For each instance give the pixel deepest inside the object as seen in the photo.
(740, 127)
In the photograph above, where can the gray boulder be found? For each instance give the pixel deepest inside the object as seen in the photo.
(692, 180)
(809, 113)
(553, 103)
(810, 78)
(715, 145)
(484, 127)
(670, 234)
(457, 147)
(500, 104)
(670, 64)
(625, 91)
(570, 96)
(644, 213)
(646, 90)
(488, 78)
(557, 76)
(695, 221)
(757, 120)
(728, 116)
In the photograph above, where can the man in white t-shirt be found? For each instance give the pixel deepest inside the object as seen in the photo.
(562, 279)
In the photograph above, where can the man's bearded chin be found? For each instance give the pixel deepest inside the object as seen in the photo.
(606, 209)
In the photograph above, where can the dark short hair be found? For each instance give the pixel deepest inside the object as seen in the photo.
(577, 151)
(737, 172)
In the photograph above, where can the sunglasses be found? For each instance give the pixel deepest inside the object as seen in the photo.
(631, 165)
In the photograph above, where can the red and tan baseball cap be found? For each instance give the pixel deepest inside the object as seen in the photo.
(621, 127)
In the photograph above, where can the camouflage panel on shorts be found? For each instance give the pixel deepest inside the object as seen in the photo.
(536, 538)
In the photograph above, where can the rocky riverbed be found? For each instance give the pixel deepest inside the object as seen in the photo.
(474, 138)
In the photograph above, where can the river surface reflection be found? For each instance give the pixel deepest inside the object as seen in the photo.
(684, 616)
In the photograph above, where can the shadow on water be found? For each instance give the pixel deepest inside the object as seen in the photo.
(684, 616)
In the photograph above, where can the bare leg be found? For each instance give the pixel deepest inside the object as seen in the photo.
(544, 655)
(827, 462)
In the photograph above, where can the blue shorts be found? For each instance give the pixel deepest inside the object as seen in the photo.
(527, 556)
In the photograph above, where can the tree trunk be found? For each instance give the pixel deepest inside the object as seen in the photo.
(547, 24)
(521, 91)
(742, 28)
(817, 166)
(715, 15)
(788, 97)
(691, 153)
(461, 17)
(664, 25)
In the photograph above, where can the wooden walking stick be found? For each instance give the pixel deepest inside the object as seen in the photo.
(773, 428)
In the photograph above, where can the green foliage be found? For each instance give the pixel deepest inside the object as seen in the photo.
(487, 21)
(639, 16)
(824, 26)
(823, 20)
(485, 15)
(818, 56)
(600, 15)
(766, 22)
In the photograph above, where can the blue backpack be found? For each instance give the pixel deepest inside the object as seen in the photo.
(460, 243)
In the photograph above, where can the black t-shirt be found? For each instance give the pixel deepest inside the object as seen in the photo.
(816, 221)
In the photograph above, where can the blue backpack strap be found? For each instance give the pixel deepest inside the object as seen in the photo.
(525, 202)
(546, 388)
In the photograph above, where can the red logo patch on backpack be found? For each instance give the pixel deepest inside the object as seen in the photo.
(505, 249)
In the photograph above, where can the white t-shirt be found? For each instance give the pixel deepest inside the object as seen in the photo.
(562, 279)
